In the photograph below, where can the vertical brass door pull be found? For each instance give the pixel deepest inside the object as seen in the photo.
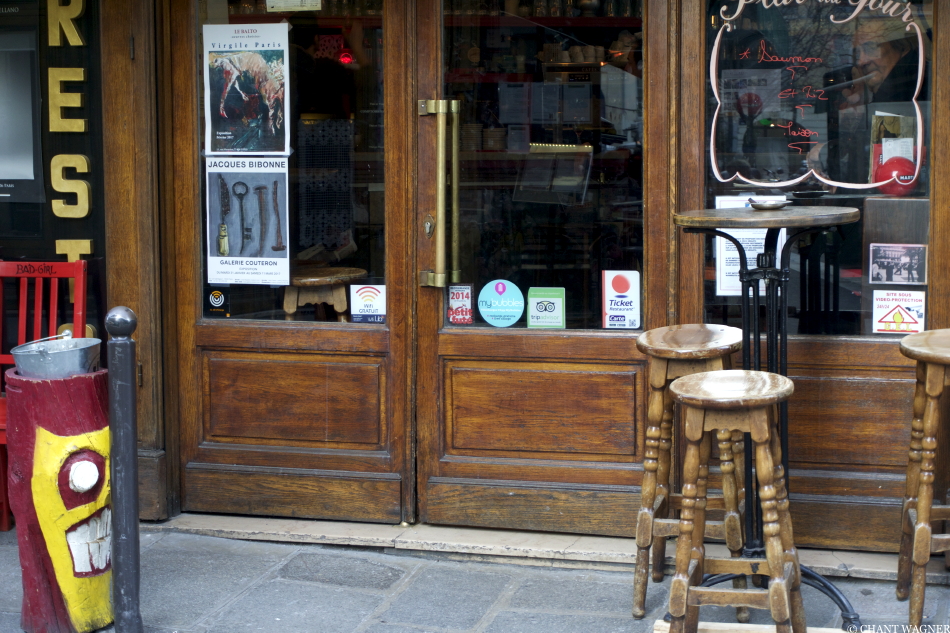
(439, 108)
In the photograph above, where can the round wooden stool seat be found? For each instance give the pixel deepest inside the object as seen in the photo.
(932, 346)
(731, 389)
(690, 342)
(310, 275)
(316, 284)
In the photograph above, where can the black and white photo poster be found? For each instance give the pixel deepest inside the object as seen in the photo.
(247, 220)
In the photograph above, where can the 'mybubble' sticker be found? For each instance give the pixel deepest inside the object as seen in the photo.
(500, 303)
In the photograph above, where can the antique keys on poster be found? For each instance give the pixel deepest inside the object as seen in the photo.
(224, 248)
(240, 190)
(261, 190)
(279, 246)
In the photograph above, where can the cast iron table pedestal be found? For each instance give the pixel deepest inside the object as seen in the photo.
(807, 220)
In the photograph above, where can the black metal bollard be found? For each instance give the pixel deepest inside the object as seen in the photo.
(120, 324)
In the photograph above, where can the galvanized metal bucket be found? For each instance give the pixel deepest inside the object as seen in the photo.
(51, 360)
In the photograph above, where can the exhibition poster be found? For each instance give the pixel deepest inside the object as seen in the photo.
(246, 94)
(247, 220)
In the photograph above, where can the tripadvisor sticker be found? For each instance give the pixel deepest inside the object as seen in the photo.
(500, 303)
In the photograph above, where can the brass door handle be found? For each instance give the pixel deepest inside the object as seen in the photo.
(440, 108)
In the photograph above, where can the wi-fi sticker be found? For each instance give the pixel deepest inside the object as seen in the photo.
(367, 293)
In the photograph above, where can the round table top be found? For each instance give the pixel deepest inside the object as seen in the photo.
(750, 218)
(690, 342)
(316, 275)
(731, 389)
(931, 346)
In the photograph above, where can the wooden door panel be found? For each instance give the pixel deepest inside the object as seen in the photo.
(554, 410)
(604, 510)
(303, 493)
(837, 419)
(294, 399)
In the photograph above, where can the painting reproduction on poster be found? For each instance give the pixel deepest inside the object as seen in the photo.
(247, 221)
(246, 94)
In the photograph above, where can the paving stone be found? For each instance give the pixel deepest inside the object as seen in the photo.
(147, 539)
(346, 571)
(576, 592)
(522, 622)
(10, 623)
(186, 577)
(11, 596)
(873, 599)
(395, 628)
(8, 538)
(448, 595)
(281, 606)
(820, 611)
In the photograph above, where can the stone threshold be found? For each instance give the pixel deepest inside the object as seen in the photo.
(527, 548)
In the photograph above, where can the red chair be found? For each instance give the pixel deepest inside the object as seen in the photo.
(54, 271)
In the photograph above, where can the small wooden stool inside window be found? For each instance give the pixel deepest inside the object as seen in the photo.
(676, 351)
(723, 402)
(931, 350)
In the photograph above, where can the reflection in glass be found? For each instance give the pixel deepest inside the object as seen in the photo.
(826, 105)
(336, 196)
(550, 149)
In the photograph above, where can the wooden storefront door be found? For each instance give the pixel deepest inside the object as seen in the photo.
(488, 423)
(287, 406)
(557, 205)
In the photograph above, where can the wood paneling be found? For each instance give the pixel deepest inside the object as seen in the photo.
(130, 159)
(534, 409)
(838, 420)
(153, 468)
(293, 400)
(295, 493)
(604, 510)
(848, 523)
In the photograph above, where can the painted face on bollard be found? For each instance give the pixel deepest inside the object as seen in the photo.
(70, 486)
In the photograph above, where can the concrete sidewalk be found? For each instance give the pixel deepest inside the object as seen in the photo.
(196, 583)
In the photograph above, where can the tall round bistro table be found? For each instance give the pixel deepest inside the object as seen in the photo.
(772, 267)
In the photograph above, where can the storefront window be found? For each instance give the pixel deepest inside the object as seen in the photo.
(550, 200)
(829, 105)
(293, 158)
(51, 164)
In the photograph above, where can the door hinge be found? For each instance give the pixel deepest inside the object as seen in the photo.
(138, 374)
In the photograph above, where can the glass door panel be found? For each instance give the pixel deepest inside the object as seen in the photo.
(549, 158)
(332, 81)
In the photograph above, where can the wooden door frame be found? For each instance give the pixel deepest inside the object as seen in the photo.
(132, 203)
(182, 252)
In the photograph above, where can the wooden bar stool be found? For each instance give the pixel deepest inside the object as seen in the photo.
(931, 350)
(727, 401)
(676, 351)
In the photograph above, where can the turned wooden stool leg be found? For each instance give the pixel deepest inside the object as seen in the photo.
(785, 525)
(771, 528)
(913, 481)
(925, 493)
(688, 571)
(655, 414)
(732, 523)
(663, 487)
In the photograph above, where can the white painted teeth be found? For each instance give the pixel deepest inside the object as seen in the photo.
(90, 544)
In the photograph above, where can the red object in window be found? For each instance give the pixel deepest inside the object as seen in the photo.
(37, 271)
(346, 57)
(902, 170)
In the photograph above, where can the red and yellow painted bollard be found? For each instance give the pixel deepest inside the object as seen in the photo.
(60, 494)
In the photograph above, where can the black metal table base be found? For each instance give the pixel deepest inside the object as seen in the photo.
(776, 331)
